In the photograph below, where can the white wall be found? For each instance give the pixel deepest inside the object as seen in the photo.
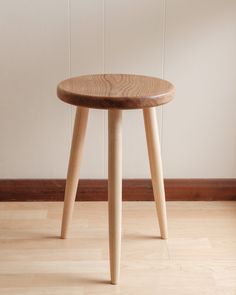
(189, 42)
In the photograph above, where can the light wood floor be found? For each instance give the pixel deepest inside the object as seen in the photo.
(198, 258)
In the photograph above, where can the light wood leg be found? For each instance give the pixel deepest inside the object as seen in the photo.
(74, 167)
(154, 152)
(115, 190)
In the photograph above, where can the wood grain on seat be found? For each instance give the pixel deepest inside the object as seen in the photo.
(121, 91)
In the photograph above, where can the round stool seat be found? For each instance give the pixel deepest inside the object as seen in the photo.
(119, 91)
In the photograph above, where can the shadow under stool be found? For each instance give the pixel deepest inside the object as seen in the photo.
(115, 92)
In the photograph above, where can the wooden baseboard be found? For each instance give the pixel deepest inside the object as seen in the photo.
(133, 190)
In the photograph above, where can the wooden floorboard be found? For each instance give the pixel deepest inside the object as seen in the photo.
(198, 258)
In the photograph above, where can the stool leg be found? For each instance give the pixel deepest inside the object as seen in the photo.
(115, 190)
(154, 152)
(74, 167)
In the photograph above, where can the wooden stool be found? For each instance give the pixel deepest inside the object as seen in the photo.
(115, 93)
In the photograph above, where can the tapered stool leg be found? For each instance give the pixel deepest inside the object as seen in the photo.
(115, 190)
(74, 167)
(154, 152)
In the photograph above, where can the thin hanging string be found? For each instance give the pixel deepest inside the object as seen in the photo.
(163, 64)
(104, 70)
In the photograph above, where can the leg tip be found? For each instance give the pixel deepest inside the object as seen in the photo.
(64, 235)
(114, 282)
(114, 279)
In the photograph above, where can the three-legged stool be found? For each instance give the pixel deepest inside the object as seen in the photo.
(115, 92)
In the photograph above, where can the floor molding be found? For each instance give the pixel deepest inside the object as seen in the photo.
(133, 190)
